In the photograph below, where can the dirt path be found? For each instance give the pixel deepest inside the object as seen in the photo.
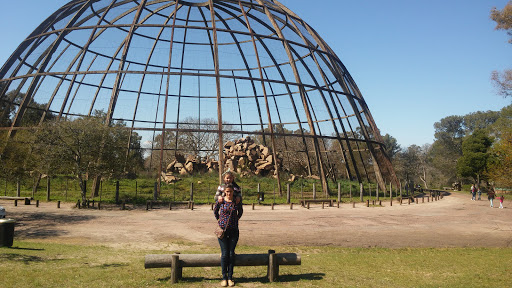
(454, 221)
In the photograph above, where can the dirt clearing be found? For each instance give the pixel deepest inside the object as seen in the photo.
(454, 221)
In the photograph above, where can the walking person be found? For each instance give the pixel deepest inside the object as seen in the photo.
(501, 201)
(227, 214)
(473, 192)
(490, 196)
(479, 193)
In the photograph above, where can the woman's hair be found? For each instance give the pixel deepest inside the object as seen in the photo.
(229, 186)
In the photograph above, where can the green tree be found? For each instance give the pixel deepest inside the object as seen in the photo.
(32, 115)
(392, 146)
(84, 147)
(500, 163)
(475, 154)
(447, 147)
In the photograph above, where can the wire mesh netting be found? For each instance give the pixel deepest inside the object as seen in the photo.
(213, 71)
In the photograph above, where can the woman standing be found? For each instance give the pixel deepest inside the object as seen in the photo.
(227, 213)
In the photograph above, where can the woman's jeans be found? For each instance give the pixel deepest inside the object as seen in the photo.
(227, 247)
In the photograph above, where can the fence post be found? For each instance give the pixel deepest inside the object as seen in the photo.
(314, 191)
(18, 187)
(361, 191)
(400, 189)
(117, 192)
(155, 191)
(339, 193)
(48, 188)
(191, 191)
(288, 192)
(258, 195)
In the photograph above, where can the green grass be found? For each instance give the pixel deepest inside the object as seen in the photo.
(30, 264)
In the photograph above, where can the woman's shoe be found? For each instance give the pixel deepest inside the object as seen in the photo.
(231, 283)
(224, 283)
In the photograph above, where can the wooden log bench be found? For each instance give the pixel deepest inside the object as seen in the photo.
(177, 261)
(26, 199)
(304, 203)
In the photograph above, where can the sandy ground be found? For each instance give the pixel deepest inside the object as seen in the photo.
(454, 221)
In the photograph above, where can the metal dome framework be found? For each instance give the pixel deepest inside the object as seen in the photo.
(250, 67)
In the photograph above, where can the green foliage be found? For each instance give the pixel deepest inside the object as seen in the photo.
(32, 115)
(392, 146)
(475, 149)
(85, 147)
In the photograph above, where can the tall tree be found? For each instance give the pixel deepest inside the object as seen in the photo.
(447, 147)
(392, 146)
(475, 154)
(500, 162)
(503, 19)
(84, 147)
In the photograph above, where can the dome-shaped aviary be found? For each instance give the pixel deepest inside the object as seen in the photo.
(175, 70)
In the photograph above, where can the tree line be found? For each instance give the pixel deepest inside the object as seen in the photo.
(471, 148)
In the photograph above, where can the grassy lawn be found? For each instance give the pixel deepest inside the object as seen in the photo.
(204, 186)
(29, 264)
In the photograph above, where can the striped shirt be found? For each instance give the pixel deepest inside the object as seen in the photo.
(222, 214)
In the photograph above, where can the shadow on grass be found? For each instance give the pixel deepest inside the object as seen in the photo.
(264, 279)
(28, 249)
(26, 259)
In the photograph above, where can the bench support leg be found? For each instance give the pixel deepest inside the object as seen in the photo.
(273, 267)
(175, 269)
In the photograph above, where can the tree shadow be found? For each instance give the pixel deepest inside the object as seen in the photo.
(28, 249)
(44, 225)
(26, 259)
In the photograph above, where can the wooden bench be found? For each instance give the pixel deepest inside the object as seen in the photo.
(304, 203)
(26, 199)
(177, 261)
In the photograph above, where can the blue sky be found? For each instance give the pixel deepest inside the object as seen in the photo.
(415, 62)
